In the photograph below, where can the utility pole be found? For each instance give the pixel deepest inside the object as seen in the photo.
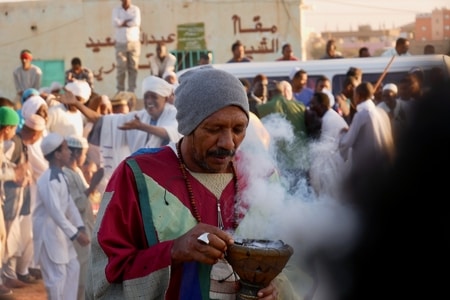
(303, 33)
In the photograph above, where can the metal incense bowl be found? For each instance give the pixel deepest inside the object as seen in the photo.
(257, 262)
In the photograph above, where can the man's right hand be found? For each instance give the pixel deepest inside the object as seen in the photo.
(68, 98)
(188, 248)
(83, 239)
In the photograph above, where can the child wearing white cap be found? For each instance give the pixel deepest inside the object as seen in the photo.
(80, 190)
(57, 224)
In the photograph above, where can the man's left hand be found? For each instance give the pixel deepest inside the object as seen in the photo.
(268, 293)
(133, 124)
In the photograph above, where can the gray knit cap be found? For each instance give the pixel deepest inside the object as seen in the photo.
(202, 92)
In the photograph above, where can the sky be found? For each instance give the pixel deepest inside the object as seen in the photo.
(344, 15)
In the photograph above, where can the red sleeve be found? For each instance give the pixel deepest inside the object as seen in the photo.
(121, 234)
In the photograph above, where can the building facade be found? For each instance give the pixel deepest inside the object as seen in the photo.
(434, 26)
(57, 31)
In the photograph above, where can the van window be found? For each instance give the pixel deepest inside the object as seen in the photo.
(391, 77)
(250, 79)
(311, 80)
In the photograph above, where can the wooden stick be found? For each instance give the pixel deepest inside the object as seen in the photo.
(383, 74)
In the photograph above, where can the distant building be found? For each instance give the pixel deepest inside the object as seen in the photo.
(434, 26)
(376, 40)
(428, 28)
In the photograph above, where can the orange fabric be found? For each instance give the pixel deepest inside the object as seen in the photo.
(26, 55)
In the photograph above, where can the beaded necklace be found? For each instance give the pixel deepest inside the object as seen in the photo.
(191, 193)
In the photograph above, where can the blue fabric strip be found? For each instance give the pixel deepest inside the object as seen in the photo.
(190, 283)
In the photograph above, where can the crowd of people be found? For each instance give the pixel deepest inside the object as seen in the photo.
(51, 143)
(60, 145)
(103, 200)
(401, 48)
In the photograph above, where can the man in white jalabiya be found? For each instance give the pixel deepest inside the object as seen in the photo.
(162, 62)
(66, 119)
(126, 20)
(153, 126)
(327, 166)
(369, 139)
(401, 48)
(398, 110)
(32, 134)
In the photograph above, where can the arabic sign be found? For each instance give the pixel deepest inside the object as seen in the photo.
(109, 42)
(262, 48)
(258, 26)
(191, 37)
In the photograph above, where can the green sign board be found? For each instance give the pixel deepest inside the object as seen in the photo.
(191, 37)
(52, 71)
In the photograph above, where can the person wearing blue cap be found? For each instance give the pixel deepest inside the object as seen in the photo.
(80, 191)
(26, 94)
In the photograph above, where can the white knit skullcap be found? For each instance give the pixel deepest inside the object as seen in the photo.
(156, 85)
(32, 105)
(391, 87)
(51, 142)
(75, 141)
(293, 72)
(79, 88)
(330, 96)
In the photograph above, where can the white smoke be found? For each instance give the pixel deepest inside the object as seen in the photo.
(282, 204)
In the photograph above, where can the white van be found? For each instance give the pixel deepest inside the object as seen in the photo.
(336, 69)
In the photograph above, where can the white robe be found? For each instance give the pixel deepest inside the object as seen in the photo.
(55, 219)
(369, 137)
(65, 122)
(116, 144)
(327, 166)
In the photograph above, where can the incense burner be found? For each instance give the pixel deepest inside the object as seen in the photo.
(257, 262)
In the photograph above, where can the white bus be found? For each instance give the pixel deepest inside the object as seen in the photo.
(336, 69)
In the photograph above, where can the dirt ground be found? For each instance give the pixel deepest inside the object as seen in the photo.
(35, 291)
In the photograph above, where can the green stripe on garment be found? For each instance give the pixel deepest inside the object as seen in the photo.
(144, 202)
(204, 274)
(169, 216)
(165, 215)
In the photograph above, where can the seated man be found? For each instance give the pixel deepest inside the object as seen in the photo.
(78, 72)
(163, 61)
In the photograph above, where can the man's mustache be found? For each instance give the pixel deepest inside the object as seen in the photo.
(222, 153)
